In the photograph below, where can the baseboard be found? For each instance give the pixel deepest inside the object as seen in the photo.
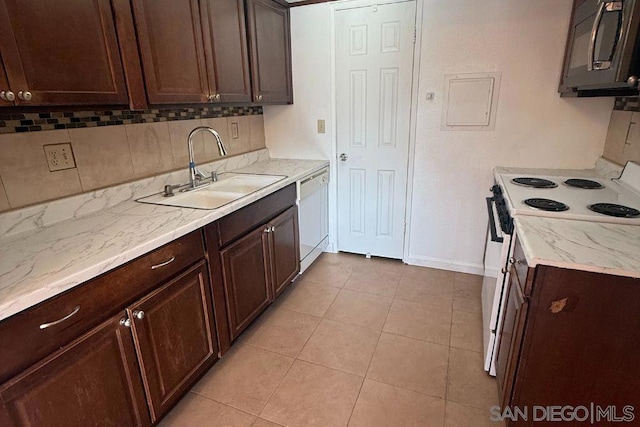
(446, 264)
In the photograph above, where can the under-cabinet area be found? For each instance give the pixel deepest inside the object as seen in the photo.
(140, 53)
(135, 339)
(566, 336)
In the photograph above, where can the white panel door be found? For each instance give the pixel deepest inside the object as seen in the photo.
(374, 66)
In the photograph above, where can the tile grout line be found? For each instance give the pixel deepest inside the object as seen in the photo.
(446, 393)
(215, 401)
(294, 361)
(370, 361)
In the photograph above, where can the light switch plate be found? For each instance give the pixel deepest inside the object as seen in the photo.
(321, 126)
(59, 157)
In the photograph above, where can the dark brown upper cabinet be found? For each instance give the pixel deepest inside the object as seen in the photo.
(270, 47)
(193, 51)
(4, 88)
(61, 52)
(225, 41)
(172, 51)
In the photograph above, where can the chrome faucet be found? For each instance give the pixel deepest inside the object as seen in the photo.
(194, 174)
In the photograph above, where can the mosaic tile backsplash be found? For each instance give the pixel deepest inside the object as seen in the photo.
(33, 122)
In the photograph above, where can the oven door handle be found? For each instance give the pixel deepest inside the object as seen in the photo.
(492, 223)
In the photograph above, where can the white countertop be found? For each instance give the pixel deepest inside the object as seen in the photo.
(40, 263)
(580, 245)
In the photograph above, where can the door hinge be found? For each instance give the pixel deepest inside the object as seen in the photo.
(415, 35)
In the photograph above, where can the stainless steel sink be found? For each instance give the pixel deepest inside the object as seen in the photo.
(229, 188)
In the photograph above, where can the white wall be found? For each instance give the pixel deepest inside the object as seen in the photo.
(291, 130)
(524, 40)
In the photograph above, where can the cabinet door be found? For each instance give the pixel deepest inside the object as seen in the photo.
(62, 52)
(246, 282)
(4, 85)
(284, 248)
(174, 336)
(270, 47)
(173, 60)
(510, 338)
(225, 41)
(95, 380)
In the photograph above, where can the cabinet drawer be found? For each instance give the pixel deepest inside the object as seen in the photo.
(241, 222)
(36, 332)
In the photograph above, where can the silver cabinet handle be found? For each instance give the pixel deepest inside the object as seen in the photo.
(138, 314)
(210, 98)
(343, 157)
(7, 95)
(25, 95)
(125, 322)
(273, 228)
(267, 229)
(513, 260)
(46, 325)
(259, 97)
(162, 264)
(216, 97)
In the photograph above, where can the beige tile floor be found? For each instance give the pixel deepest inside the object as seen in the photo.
(358, 342)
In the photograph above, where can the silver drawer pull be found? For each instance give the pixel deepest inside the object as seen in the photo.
(162, 264)
(46, 325)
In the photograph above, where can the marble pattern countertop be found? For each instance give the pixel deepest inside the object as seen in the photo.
(582, 245)
(39, 263)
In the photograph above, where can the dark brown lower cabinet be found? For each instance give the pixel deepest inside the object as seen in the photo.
(258, 267)
(511, 337)
(570, 340)
(246, 279)
(129, 370)
(160, 335)
(285, 250)
(175, 339)
(95, 380)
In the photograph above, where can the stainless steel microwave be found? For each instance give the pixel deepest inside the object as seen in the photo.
(602, 55)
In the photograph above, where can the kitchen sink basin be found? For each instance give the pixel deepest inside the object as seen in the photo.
(229, 188)
(245, 184)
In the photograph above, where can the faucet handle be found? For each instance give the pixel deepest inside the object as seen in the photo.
(214, 176)
(168, 190)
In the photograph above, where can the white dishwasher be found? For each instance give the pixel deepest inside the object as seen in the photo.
(313, 216)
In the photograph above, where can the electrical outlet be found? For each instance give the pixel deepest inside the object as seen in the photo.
(59, 157)
(321, 126)
(234, 131)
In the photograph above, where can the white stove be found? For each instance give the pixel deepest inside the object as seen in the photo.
(574, 201)
(531, 194)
